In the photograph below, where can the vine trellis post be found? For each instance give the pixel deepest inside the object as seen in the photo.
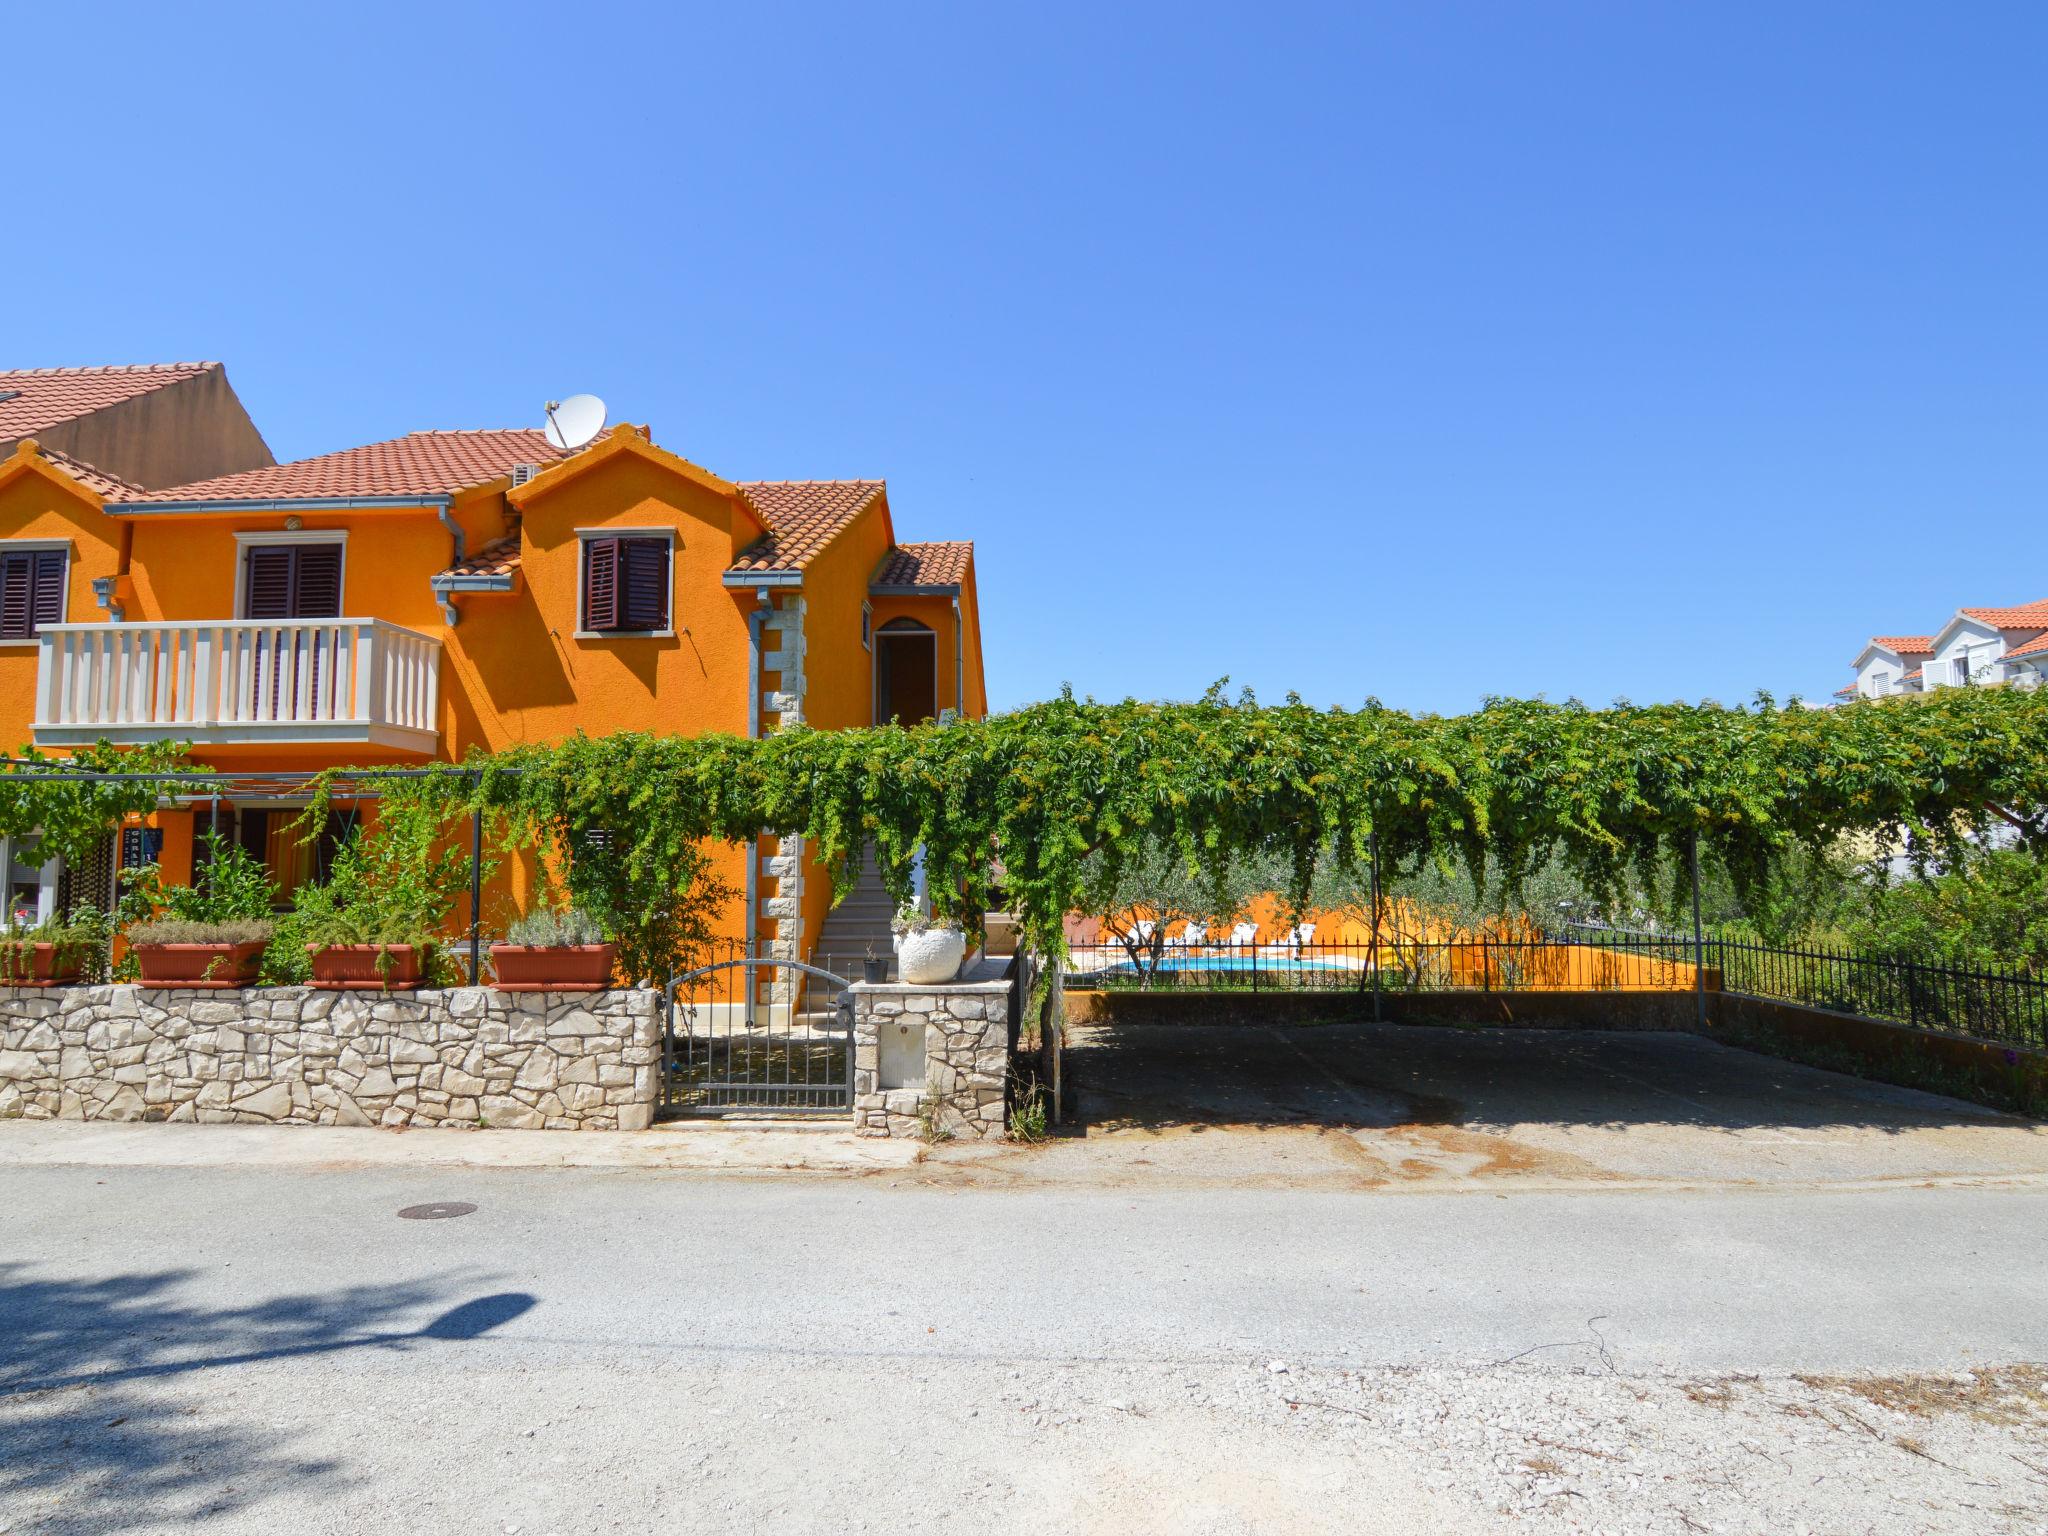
(1699, 941)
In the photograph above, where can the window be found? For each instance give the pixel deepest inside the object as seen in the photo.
(867, 626)
(291, 581)
(31, 591)
(626, 584)
(1963, 668)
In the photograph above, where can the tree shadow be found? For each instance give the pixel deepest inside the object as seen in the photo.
(87, 1446)
(1382, 1076)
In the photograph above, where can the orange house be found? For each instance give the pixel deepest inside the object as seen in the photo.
(410, 600)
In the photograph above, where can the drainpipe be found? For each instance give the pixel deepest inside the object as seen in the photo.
(764, 605)
(449, 614)
(959, 666)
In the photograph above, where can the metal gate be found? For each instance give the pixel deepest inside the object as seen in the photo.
(757, 1034)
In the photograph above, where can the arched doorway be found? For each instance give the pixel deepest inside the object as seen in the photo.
(906, 672)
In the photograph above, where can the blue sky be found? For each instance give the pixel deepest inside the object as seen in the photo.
(1425, 351)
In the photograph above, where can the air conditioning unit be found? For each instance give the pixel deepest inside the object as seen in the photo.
(521, 473)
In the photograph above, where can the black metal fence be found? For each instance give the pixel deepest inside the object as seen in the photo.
(1401, 964)
(2010, 1007)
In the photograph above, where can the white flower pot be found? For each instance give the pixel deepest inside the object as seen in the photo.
(925, 957)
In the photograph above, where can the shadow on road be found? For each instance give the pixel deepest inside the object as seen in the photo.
(1387, 1076)
(84, 1447)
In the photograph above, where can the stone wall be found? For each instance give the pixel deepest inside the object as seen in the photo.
(933, 1060)
(292, 1055)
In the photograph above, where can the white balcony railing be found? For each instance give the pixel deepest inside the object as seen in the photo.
(288, 680)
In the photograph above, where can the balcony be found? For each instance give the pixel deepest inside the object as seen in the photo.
(287, 682)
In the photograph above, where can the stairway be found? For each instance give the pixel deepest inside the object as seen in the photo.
(856, 928)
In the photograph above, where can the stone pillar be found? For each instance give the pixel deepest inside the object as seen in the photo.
(933, 1060)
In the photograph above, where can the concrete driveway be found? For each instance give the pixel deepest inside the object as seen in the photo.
(1406, 1108)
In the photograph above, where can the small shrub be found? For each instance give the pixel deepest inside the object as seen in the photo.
(910, 920)
(175, 930)
(552, 929)
(80, 939)
(232, 885)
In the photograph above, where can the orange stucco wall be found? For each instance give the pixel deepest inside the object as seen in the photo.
(35, 506)
(514, 668)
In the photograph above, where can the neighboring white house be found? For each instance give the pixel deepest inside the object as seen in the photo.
(1890, 664)
(1975, 647)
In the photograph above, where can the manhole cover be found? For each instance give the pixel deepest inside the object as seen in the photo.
(436, 1210)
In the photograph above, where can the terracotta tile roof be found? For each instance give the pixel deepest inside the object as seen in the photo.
(1906, 645)
(2026, 616)
(925, 565)
(1911, 675)
(2038, 646)
(498, 558)
(36, 399)
(107, 487)
(803, 516)
(418, 464)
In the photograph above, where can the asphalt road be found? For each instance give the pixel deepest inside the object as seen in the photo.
(1073, 1338)
(186, 1342)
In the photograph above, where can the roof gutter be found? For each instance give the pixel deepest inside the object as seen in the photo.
(744, 579)
(450, 614)
(279, 504)
(934, 589)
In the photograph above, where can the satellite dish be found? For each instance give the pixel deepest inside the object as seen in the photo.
(574, 421)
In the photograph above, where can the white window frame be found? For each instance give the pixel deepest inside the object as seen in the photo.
(48, 875)
(867, 626)
(30, 546)
(245, 538)
(583, 536)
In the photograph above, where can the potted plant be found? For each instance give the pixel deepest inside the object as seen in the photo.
(174, 952)
(375, 925)
(873, 967)
(928, 949)
(554, 950)
(54, 952)
(211, 933)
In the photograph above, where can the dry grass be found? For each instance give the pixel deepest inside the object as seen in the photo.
(2007, 1395)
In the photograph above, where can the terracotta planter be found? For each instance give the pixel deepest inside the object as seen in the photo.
(552, 967)
(365, 967)
(41, 967)
(210, 967)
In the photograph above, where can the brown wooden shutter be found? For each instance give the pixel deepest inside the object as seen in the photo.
(267, 583)
(48, 595)
(316, 592)
(601, 583)
(17, 596)
(643, 583)
(292, 581)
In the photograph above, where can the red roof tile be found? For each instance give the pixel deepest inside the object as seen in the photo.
(803, 516)
(2038, 646)
(498, 558)
(2025, 616)
(925, 565)
(418, 464)
(36, 399)
(1906, 645)
(107, 487)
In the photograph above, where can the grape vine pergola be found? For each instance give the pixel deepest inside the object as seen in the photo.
(1019, 802)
